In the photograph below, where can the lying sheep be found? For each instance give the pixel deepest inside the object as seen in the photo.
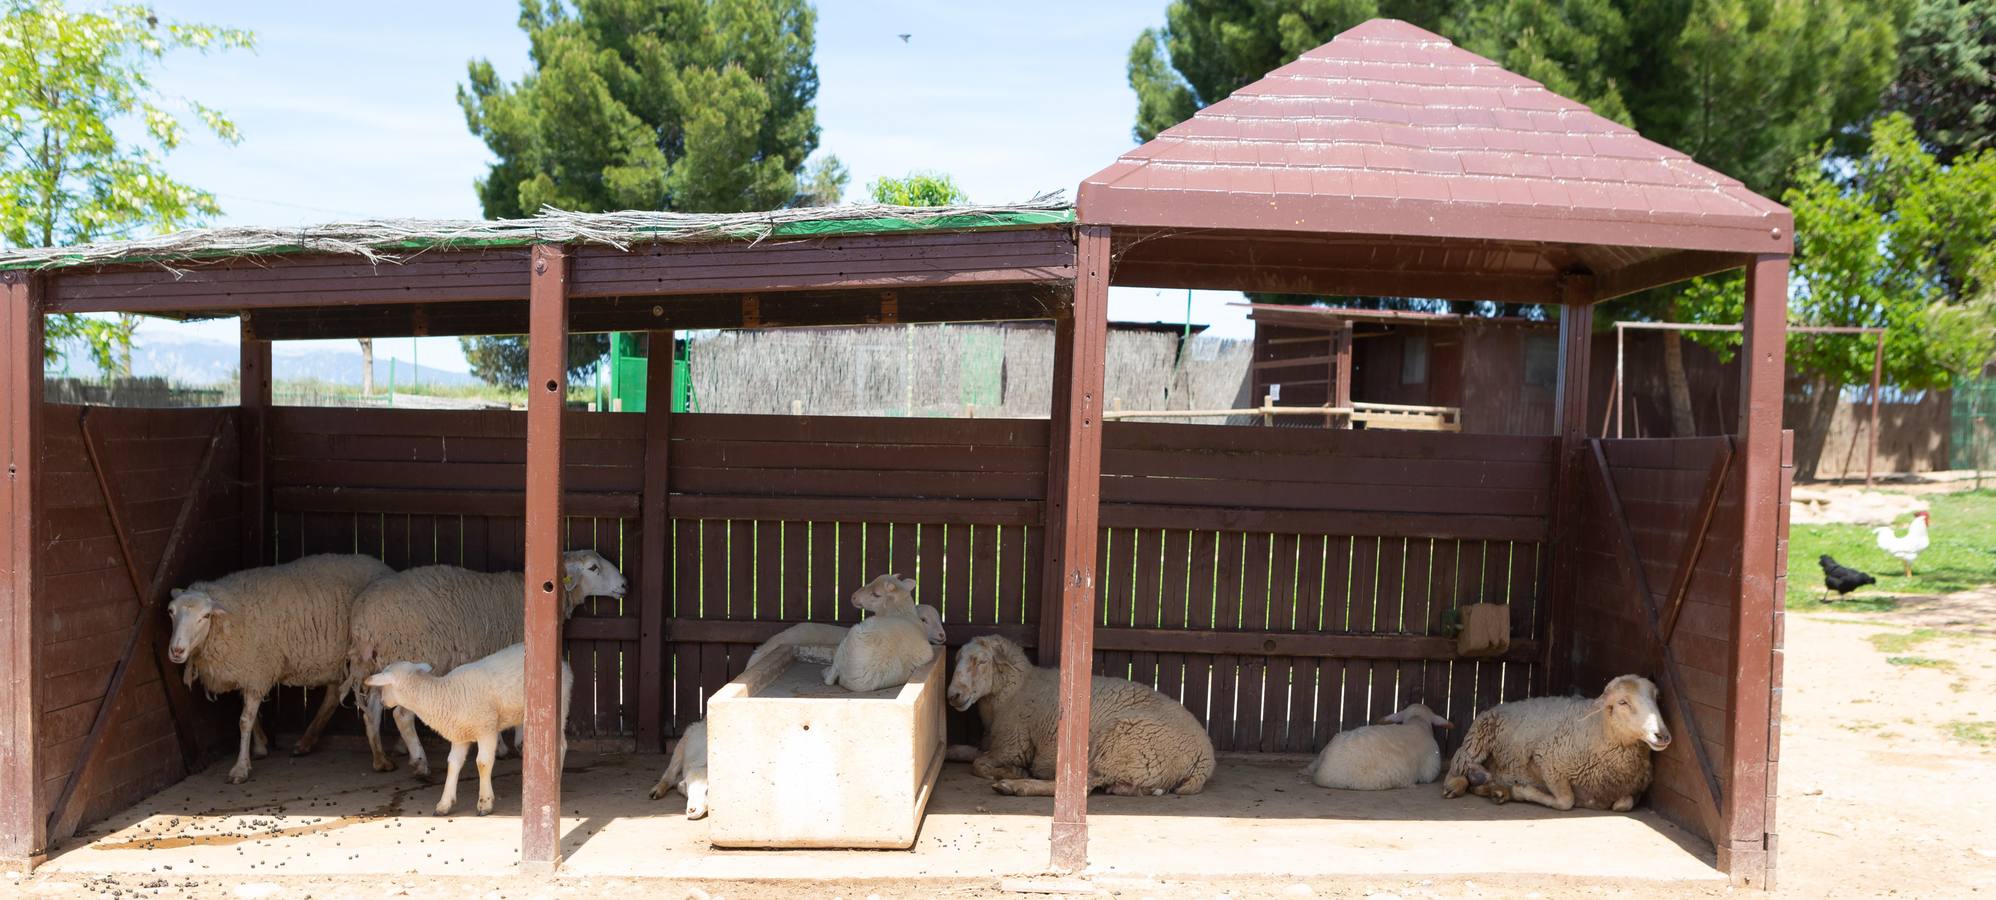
(883, 650)
(1139, 741)
(1564, 752)
(813, 641)
(276, 625)
(686, 772)
(1400, 753)
(446, 616)
(474, 702)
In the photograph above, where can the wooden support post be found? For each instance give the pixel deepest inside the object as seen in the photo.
(1341, 369)
(22, 798)
(1744, 851)
(1576, 340)
(150, 592)
(254, 378)
(654, 574)
(1081, 501)
(1877, 374)
(1054, 514)
(547, 392)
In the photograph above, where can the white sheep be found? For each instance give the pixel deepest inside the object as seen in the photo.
(883, 650)
(276, 625)
(1400, 753)
(474, 702)
(813, 642)
(447, 616)
(1564, 752)
(686, 772)
(1139, 741)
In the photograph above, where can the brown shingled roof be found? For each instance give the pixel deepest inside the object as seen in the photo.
(1389, 130)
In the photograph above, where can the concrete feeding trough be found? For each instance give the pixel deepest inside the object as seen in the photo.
(793, 762)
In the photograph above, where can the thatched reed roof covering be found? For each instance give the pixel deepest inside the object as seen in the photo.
(391, 239)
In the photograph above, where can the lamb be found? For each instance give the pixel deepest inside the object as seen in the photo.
(1400, 753)
(1564, 752)
(474, 702)
(276, 625)
(446, 616)
(686, 772)
(812, 640)
(1139, 741)
(890, 644)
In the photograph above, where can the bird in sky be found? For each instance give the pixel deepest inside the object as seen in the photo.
(904, 37)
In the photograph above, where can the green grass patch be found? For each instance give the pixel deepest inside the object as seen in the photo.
(1979, 733)
(1902, 641)
(1961, 555)
(1920, 662)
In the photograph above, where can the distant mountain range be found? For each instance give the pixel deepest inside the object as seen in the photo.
(197, 362)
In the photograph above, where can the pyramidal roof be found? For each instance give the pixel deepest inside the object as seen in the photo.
(1392, 130)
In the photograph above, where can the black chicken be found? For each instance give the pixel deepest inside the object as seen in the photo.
(1842, 579)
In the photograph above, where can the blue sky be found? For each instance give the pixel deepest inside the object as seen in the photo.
(348, 110)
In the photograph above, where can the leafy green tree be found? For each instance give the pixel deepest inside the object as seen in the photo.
(83, 136)
(1947, 76)
(1903, 243)
(685, 105)
(918, 189)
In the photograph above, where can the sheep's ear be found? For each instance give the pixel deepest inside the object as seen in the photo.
(907, 584)
(176, 592)
(1443, 723)
(423, 667)
(381, 679)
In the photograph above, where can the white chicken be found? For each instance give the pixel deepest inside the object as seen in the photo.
(1908, 546)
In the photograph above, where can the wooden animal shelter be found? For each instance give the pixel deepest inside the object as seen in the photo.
(1283, 583)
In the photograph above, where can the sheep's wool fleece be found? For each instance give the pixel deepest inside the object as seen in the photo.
(477, 699)
(1526, 739)
(442, 615)
(1379, 757)
(287, 624)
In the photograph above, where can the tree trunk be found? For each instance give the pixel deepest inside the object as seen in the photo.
(366, 367)
(1683, 421)
(1810, 439)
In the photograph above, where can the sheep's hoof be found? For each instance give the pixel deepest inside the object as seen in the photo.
(443, 809)
(1624, 805)
(384, 765)
(1454, 787)
(303, 749)
(1499, 794)
(239, 774)
(699, 813)
(657, 794)
(422, 773)
(259, 752)
(1006, 786)
(485, 807)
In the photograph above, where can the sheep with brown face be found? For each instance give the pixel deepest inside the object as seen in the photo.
(1564, 752)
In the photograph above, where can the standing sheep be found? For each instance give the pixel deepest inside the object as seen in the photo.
(474, 702)
(686, 772)
(276, 625)
(1400, 753)
(446, 616)
(1564, 752)
(1139, 741)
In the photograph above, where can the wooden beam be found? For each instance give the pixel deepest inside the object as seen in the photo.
(1081, 490)
(22, 796)
(1055, 508)
(547, 392)
(1687, 562)
(656, 522)
(149, 592)
(1744, 848)
(740, 631)
(1576, 340)
(254, 379)
(1635, 584)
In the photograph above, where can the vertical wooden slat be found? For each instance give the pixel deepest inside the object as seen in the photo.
(768, 570)
(1201, 598)
(1021, 606)
(796, 571)
(22, 793)
(582, 655)
(435, 539)
(253, 436)
(717, 598)
(1253, 685)
(1576, 337)
(1081, 495)
(1229, 571)
(398, 544)
(1053, 543)
(1304, 673)
(654, 533)
(688, 553)
(878, 562)
(540, 802)
(1146, 576)
(929, 562)
(823, 600)
(981, 574)
(743, 599)
(1745, 854)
